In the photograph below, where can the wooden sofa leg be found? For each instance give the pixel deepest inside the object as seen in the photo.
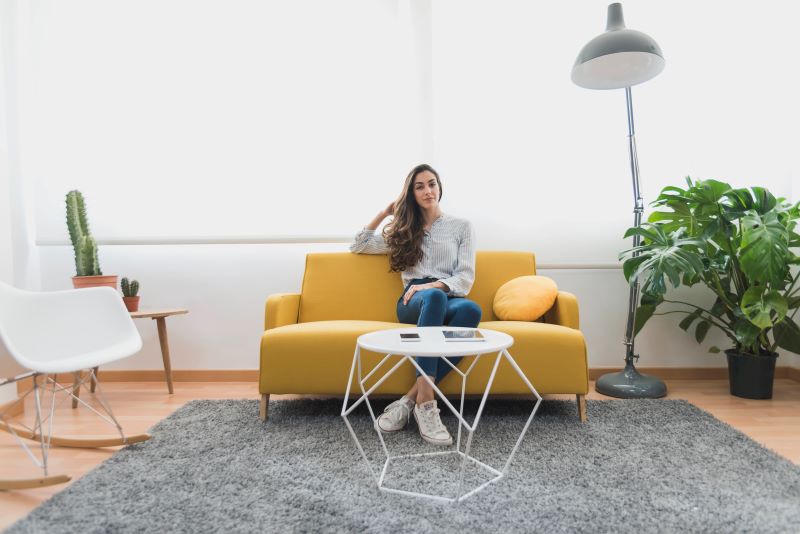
(581, 399)
(263, 407)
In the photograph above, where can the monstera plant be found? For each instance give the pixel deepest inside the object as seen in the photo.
(739, 243)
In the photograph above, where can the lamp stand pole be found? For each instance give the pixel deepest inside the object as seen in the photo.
(630, 383)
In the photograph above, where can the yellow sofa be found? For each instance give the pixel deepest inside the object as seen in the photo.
(309, 338)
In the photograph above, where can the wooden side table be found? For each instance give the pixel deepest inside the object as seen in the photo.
(160, 317)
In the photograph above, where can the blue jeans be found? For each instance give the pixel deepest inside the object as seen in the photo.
(434, 307)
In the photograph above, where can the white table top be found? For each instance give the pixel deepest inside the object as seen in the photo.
(432, 342)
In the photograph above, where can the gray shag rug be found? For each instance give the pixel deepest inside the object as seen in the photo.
(635, 466)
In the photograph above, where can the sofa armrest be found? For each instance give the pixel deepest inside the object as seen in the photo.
(281, 309)
(564, 312)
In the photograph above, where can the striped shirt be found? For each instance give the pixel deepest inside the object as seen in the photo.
(448, 253)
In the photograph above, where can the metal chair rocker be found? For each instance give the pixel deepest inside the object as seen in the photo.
(49, 333)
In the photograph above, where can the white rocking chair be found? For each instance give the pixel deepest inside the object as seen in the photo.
(62, 332)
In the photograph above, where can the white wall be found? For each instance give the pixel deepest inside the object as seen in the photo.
(225, 286)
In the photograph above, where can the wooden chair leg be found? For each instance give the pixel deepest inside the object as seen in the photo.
(94, 379)
(581, 400)
(41, 482)
(263, 407)
(76, 388)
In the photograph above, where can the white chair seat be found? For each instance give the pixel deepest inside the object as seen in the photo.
(63, 331)
(88, 360)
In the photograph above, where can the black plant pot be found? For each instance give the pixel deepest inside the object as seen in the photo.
(751, 376)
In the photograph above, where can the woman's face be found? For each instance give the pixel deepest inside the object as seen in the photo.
(426, 190)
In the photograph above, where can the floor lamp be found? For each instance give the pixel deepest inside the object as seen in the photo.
(616, 59)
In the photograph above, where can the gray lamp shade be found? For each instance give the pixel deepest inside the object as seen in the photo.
(617, 58)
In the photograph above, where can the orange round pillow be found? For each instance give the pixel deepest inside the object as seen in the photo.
(525, 298)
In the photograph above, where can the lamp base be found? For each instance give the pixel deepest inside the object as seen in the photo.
(630, 384)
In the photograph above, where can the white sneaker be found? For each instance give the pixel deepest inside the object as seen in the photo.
(395, 417)
(430, 425)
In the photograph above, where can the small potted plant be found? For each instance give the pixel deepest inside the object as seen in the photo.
(738, 243)
(87, 265)
(130, 294)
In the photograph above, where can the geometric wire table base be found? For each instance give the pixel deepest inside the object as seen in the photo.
(496, 474)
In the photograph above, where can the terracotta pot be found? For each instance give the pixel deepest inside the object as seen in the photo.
(132, 303)
(109, 280)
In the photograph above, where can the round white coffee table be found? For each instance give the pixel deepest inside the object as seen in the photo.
(432, 344)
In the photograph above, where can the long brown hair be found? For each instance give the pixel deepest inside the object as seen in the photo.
(405, 232)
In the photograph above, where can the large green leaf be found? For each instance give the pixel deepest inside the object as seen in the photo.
(765, 248)
(764, 200)
(759, 306)
(745, 332)
(787, 335)
(662, 256)
(738, 202)
(629, 266)
(672, 194)
(719, 308)
(707, 192)
(650, 232)
(647, 306)
(702, 330)
(687, 321)
(643, 314)
(681, 216)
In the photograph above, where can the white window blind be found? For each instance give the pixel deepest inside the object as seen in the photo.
(236, 118)
(185, 118)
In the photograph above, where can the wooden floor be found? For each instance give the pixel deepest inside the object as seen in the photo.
(774, 423)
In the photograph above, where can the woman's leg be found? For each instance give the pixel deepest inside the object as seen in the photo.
(426, 308)
(460, 312)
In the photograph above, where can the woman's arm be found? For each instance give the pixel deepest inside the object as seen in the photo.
(463, 276)
(367, 241)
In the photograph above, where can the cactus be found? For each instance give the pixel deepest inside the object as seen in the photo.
(129, 289)
(83, 244)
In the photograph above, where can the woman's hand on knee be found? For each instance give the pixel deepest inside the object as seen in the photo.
(422, 287)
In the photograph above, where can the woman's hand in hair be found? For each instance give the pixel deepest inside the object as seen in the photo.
(374, 223)
(389, 210)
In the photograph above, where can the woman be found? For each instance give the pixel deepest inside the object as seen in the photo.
(436, 255)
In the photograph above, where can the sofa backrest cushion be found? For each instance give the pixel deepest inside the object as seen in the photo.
(343, 285)
(492, 270)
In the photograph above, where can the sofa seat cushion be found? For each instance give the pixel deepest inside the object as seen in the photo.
(553, 358)
(315, 357)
